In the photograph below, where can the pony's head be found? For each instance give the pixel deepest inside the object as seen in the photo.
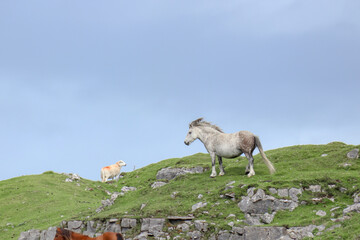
(121, 163)
(62, 234)
(193, 132)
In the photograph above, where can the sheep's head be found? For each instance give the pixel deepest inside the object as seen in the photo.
(121, 163)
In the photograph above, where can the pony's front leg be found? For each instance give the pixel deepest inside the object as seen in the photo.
(222, 171)
(213, 160)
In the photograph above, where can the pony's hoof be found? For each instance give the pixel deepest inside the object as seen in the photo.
(221, 174)
(247, 172)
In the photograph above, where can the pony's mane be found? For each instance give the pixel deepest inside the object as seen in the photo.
(201, 123)
(64, 233)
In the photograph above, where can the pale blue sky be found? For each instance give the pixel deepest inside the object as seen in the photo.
(84, 84)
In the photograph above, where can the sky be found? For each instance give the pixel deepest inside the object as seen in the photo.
(84, 84)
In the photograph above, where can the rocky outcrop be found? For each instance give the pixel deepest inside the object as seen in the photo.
(354, 154)
(171, 173)
(260, 208)
(113, 197)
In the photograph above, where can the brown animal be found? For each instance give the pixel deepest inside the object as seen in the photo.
(64, 234)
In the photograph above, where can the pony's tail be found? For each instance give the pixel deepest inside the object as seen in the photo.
(267, 162)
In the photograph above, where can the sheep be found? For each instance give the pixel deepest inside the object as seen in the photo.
(112, 171)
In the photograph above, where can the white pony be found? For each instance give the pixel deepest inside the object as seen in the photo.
(228, 145)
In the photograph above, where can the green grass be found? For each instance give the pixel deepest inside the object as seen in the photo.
(41, 201)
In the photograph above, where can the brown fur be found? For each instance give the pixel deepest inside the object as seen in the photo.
(64, 234)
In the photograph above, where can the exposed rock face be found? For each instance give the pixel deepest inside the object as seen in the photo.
(171, 173)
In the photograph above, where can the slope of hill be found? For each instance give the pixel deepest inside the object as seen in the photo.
(41, 201)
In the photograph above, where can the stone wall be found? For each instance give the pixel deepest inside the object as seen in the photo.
(171, 228)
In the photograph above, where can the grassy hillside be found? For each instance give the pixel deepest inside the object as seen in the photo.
(40, 201)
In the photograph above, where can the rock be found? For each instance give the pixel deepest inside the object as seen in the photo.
(321, 213)
(301, 232)
(333, 227)
(342, 189)
(324, 155)
(90, 229)
(321, 228)
(197, 206)
(48, 234)
(352, 208)
(356, 198)
(238, 230)
(264, 232)
(267, 218)
(224, 235)
(200, 196)
(346, 165)
(273, 190)
(142, 206)
(251, 191)
(128, 223)
(231, 216)
(259, 195)
(230, 195)
(194, 235)
(75, 226)
(267, 204)
(157, 184)
(72, 177)
(252, 220)
(230, 183)
(114, 196)
(340, 219)
(126, 189)
(171, 173)
(30, 235)
(293, 192)
(314, 188)
(354, 154)
(173, 195)
(141, 236)
(152, 225)
(201, 225)
(183, 227)
(112, 227)
(283, 192)
(245, 204)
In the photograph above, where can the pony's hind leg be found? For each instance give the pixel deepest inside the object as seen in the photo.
(247, 169)
(222, 171)
(250, 167)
